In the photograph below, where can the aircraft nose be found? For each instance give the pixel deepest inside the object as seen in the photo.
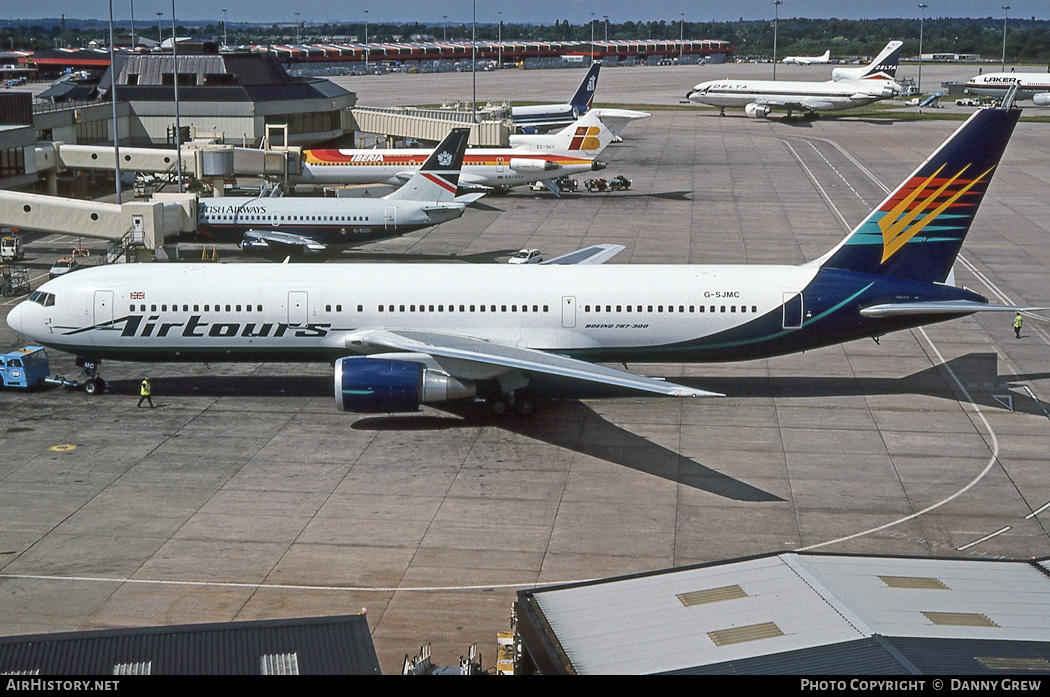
(14, 318)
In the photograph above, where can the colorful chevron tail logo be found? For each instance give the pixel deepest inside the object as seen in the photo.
(900, 225)
(585, 138)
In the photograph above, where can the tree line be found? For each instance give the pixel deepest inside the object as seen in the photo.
(1026, 39)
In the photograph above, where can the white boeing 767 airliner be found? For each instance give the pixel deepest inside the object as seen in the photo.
(401, 335)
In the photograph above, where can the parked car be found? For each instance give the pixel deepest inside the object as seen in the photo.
(527, 256)
(62, 266)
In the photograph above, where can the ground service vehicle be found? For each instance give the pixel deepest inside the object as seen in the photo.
(14, 280)
(62, 267)
(11, 248)
(24, 368)
(527, 256)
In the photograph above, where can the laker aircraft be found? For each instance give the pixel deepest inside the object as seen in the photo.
(1034, 86)
(849, 88)
(278, 227)
(400, 335)
(535, 157)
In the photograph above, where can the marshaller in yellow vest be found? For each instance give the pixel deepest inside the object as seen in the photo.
(1018, 321)
(146, 392)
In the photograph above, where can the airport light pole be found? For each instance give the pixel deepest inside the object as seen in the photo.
(297, 27)
(133, 46)
(175, 74)
(160, 29)
(444, 28)
(681, 37)
(1006, 13)
(776, 19)
(224, 43)
(113, 98)
(366, 41)
(922, 19)
(474, 59)
(499, 40)
(606, 18)
(592, 37)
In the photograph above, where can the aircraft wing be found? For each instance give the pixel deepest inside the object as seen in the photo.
(796, 104)
(816, 104)
(277, 244)
(487, 353)
(595, 254)
(947, 307)
(469, 198)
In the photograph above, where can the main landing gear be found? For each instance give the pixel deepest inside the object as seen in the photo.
(516, 402)
(92, 383)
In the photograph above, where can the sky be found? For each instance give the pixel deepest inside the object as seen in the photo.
(519, 11)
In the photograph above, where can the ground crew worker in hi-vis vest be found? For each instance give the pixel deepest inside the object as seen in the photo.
(1018, 321)
(146, 390)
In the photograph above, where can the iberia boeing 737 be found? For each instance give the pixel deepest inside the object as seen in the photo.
(533, 157)
(402, 335)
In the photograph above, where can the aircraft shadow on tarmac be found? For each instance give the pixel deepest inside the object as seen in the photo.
(618, 195)
(575, 426)
(978, 372)
(401, 258)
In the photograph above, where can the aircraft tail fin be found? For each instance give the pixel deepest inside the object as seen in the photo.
(438, 178)
(826, 57)
(917, 232)
(584, 97)
(884, 67)
(587, 137)
(885, 64)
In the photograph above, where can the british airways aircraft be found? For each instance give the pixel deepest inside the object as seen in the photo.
(276, 227)
(402, 335)
(848, 88)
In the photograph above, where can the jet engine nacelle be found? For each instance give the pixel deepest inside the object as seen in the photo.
(756, 111)
(522, 164)
(1041, 99)
(375, 385)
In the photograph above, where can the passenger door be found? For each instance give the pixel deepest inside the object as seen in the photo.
(298, 308)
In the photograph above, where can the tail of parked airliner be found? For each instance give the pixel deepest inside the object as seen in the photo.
(437, 179)
(917, 231)
(884, 67)
(584, 97)
(586, 138)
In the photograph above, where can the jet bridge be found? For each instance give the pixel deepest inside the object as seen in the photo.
(137, 231)
(206, 162)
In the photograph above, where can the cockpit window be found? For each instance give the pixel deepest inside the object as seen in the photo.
(42, 298)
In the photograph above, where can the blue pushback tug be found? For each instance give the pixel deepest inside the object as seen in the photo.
(25, 368)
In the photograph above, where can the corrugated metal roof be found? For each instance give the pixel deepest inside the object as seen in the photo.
(1014, 596)
(312, 646)
(754, 609)
(638, 625)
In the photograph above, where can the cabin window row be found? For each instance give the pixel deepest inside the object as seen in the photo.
(298, 218)
(197, 308)
(464, 308)
(681, 309)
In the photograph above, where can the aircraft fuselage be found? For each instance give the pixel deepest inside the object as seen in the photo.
(308, 312)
